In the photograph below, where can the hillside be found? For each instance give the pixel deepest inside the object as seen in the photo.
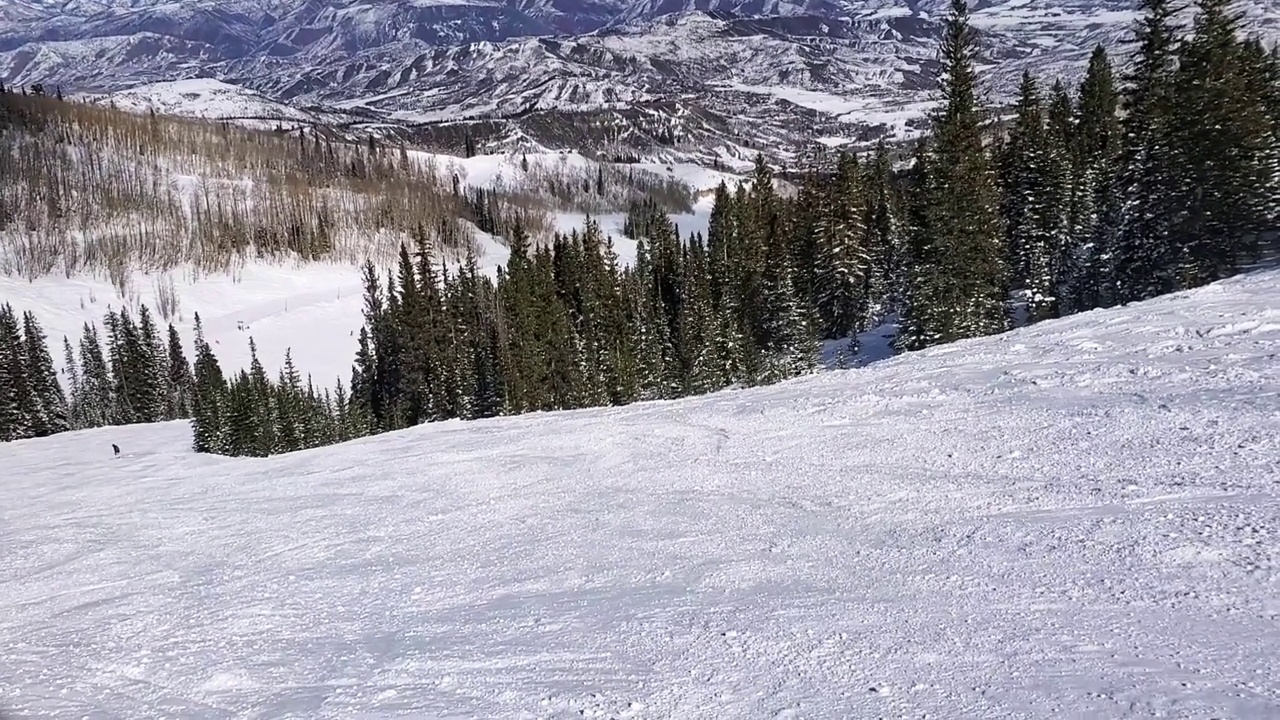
(265, 231)
(1078, 517)
(704, 80)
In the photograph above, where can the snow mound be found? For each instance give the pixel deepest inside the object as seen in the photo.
(1080, 515)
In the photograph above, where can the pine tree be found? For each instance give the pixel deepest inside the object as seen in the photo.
(181, 385)
(51, 414)
(1031, 207)
(257, 431)
(840, 257)
(962, 272)
(1262, 87)
(1087, 268)
(209, 411)
(150, 360)
(1063, 207)
(121, 351)
(783, 330)
(1221, 145)
(1144, 253)
(72, 370)
(243, 427)
(886, 280)
(19, 408)
(96, 402)
(292, 426)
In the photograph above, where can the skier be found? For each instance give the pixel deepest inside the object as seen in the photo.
(116, 448)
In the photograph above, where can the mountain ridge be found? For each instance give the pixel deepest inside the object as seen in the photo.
(681, 64)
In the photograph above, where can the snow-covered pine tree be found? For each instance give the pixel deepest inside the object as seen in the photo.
(97, 402)
(1028, 208)
(884, 242)
(181, 384)
(51, 414)
(840, 257)
(1145, 188)
(1063, 206)
(72, 370)
(1087, 278)
(291, 412)
(209, 411)
(783, 331)
(1221, 140)
(962, 278)
(695, 323)
(18, 405)
(259, 398)
(1262, 83)
(151, 361)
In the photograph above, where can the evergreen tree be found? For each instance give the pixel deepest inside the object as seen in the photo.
(840, 257)
(72, 371)
(209, 411)
(1087, 280)
(886, 250)
(181, 385)
(1262, 86)
(255, 430)
(1221, 146)
(19, 407)
(1146, 192)
(96, 402)
(960, 270)
(294, 428)
(1038, 203)
(51, 415)
(783, 330)
(150, 361)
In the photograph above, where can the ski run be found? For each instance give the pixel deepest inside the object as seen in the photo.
(1075, 519)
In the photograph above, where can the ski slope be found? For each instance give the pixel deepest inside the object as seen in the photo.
(1078, 519)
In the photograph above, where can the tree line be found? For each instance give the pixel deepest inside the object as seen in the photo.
(139, 374)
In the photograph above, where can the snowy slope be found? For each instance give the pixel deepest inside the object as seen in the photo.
(204, 98)
(1079, 519)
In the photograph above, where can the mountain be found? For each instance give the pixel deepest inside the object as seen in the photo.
(1080, 514)
(692, 77)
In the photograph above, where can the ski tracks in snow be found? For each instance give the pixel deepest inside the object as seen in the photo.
(1074, 520)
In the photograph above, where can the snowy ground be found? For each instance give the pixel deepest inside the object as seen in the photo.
(1079, 519)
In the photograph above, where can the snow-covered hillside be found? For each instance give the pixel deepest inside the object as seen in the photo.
(206, 98)
(1078, 519)
(696, 79)
(315, 309)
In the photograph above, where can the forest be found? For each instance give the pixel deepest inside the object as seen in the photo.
(1161, 178)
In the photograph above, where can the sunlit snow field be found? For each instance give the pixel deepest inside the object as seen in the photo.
(1078, 519)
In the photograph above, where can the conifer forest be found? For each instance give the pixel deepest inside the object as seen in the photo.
(1154, 178)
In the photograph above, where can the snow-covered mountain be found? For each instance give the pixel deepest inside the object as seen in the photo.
(1081, 517)
(666, 73)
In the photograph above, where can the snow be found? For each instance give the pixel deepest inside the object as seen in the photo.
(890, 111)
(203, 98)
(1078, 519)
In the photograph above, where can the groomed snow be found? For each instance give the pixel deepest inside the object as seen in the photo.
(1078, 519)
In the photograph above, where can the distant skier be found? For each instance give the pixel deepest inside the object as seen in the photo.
(116, 448)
